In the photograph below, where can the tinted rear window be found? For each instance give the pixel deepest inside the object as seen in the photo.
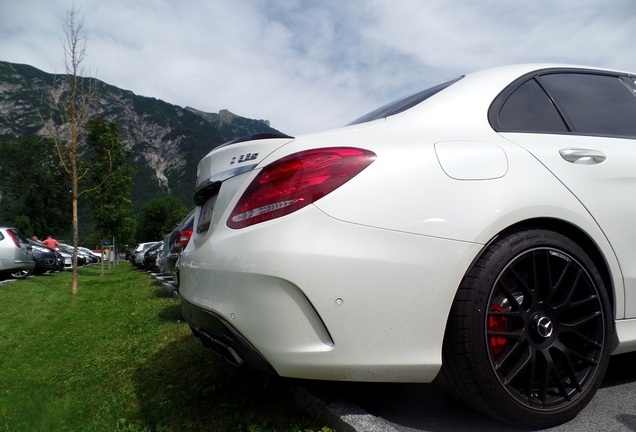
(403, 104)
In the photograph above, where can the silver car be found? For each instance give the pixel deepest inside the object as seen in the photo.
(138, 255)
(16, 255)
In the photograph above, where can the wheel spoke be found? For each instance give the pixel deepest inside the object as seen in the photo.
(529, 382)
(591, 300)
(586, 339)
(569, 353)
(584, 319)
(544, 272)
(565, 286)
(571, 373)
(561, 386)
(522, 358)
(507, 292)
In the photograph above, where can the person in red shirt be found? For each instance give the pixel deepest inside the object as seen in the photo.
(51, 243)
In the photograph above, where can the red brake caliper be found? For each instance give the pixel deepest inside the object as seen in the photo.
(497, 324)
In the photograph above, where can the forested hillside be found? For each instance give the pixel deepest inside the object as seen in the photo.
(167, 140)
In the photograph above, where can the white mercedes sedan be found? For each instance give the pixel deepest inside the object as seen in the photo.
(480, 233)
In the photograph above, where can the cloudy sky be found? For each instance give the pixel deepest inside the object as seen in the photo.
(309, 65)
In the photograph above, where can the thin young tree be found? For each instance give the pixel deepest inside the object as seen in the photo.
(73, 101)
(74, 111)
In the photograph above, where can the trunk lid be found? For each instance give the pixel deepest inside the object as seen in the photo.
(232, 159)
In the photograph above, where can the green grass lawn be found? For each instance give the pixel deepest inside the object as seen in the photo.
(117, 356)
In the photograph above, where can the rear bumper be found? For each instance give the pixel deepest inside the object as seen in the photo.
(223, 339)
(324, 299)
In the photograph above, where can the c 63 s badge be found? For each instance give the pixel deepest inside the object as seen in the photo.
(244, 158)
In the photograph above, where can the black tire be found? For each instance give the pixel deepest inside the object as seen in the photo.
(529, 333)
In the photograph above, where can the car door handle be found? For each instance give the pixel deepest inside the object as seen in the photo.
(583, 156)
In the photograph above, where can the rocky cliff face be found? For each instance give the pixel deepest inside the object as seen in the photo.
(167, 140)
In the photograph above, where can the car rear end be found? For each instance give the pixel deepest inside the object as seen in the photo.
(16, 254)
(273, 281)
(219, 175)
(177, 240)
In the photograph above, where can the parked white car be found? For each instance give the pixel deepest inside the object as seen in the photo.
(92, 256)
(480, 233)
(16, 254)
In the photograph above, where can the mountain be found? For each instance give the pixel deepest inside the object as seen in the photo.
(167, 140)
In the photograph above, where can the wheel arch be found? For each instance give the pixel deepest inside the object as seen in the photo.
(577, 235)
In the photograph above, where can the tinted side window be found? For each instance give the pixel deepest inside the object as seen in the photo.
(403, 104)
(529, 109)
(594, 104)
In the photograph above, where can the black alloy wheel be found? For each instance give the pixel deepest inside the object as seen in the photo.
(529, 333)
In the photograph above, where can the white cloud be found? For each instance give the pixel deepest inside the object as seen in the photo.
(306, 65)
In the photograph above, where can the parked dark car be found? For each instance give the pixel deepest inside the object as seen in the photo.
(150, 257)
(60, 261)
(179, 238)
(46, 259)
(81, 258)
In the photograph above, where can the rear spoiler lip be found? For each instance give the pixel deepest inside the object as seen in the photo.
(254, 137)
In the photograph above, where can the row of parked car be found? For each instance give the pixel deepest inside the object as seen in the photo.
(162, 256)
(21, 257)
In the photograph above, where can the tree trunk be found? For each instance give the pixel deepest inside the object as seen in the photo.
(101, 270)
(74, 189)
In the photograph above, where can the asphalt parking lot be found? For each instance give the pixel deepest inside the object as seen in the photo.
(358, 407)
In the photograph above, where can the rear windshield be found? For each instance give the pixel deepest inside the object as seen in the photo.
(403, 104)
(18, 235)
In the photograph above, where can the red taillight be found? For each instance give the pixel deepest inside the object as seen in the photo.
(296, 181)
(184, 237)
(14, 238)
